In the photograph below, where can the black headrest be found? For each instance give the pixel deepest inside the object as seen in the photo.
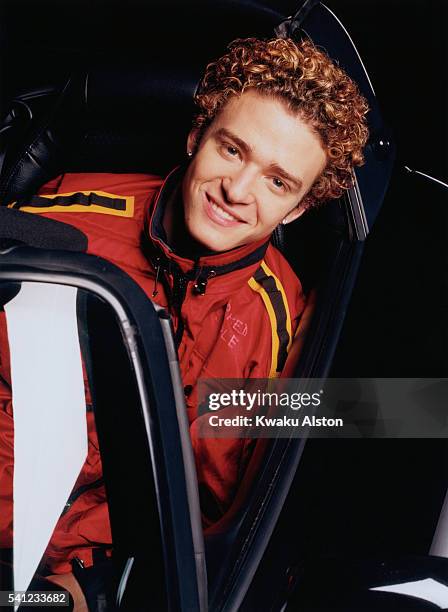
(137, 116)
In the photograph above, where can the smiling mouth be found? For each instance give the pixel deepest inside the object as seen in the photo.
(221, 212)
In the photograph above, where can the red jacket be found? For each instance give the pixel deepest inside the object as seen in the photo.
(239, 312)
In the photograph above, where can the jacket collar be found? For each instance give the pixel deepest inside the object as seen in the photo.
(214, 264)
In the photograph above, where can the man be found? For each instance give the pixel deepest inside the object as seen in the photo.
(278, 130)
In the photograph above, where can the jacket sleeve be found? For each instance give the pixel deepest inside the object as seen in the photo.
(299, 336)
(220, 466)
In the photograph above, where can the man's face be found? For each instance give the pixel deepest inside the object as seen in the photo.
(252, 167)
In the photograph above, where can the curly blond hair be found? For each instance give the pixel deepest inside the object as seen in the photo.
(310, 84)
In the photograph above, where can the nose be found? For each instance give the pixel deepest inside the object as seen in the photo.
(239, 186)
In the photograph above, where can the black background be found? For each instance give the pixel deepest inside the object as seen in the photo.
(381, 498)
(397, 323)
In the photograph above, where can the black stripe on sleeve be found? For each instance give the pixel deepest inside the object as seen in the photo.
(278, 305)
(80, 199)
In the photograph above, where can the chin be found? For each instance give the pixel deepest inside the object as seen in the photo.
(212, 246)
(208, 240)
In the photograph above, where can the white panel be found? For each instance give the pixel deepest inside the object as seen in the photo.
(50, 431)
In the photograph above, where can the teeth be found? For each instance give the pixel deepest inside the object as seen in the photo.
(223, 213)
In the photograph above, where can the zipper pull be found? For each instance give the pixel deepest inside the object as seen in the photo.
(200, 285)
(157, 267)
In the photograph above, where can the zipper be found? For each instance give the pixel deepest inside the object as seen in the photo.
(163, 269)
(176, 291)
(157, 266)
(74, 495)
(179, 291)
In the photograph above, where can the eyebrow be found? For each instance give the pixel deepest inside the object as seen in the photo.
(223, 133)
(296, 181)
(246, 148)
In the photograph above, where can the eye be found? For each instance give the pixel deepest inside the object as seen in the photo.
(231, 150)
(279, 184)
(227, 149)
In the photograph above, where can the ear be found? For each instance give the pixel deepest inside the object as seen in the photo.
(294, 214)
(192, 140)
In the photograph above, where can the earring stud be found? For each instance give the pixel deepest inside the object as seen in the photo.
(189, 153)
